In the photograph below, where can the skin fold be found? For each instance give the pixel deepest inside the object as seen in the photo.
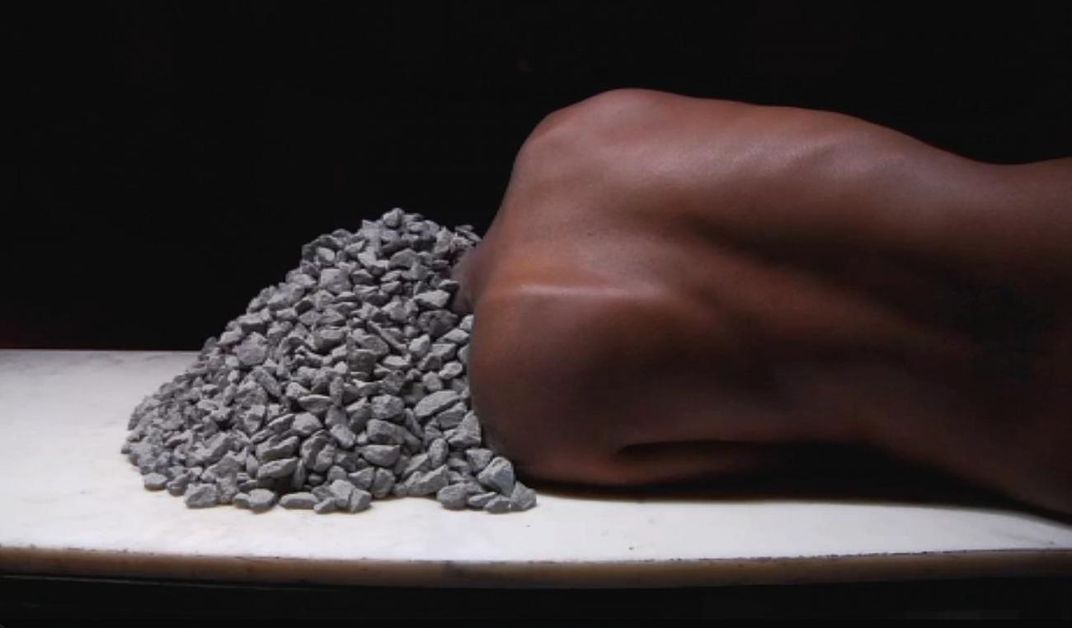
(678, 288)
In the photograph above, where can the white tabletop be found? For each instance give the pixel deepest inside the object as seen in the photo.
(70, 503)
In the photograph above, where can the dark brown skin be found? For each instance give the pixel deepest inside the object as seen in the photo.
(678, 288)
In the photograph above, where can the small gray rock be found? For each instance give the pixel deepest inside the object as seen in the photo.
(328, 338)
(433, 299)
(261, 500)
(393, 219)
(359, 500)
(420, 346)
(305, 424)
(335, 280)
(343, 435)
(177, 486)
(452, 416)
(427, 482)
(386, 407)
(267, 382)
(155, 481)
(479, 500)
(322, 492)
(377, 345)
(361, 360)
(252, 351)
(241, 500)
(202, 496)
(298, 501)
(478, 458)
(336, 473)
(275, 450)
(522, 497)
(381, 455)
(277, 468)
(498, 475)
(467, 434)
(395, 362)
(437, 452)
(433, 403)
(384, 433)
(453, 496)
(443, 351)
(281, 423)
(451, 370)
(497, 505)
(316, 404)
(382, 483)
(341, 490)
(432, 382)
(362, 479)
(455, 336)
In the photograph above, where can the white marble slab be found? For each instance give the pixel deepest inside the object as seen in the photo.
(70, 503)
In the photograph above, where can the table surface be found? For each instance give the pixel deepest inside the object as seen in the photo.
(71, 504)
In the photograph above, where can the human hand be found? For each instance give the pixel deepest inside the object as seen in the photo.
(677, 288)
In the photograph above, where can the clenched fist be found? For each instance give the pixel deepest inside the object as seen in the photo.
(677, 288)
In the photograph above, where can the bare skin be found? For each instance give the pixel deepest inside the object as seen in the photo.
(677, 288)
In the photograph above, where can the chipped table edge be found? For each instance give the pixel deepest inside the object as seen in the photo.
(538, 574)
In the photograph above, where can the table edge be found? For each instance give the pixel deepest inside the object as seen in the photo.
(539, 574)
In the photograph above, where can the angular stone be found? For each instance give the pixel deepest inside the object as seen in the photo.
(298, 501)
(155, 481)
(386, 407)
(343, 435)
(427, 482)
(384, 433)
(277, 468)
(433, 299)
(467, 434)
(261, 500)
(316, 404)
(522, 497)
(362, 479)
(433, 403)
(453, 496)
(359, 500)
(252, 351)
(478, 458)
(202, 496)
(498, 475)
(335, 280)
(381, 455)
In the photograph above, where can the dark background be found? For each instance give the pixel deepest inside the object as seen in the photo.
(171, 158)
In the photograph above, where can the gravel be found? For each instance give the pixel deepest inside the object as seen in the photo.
(343, 384)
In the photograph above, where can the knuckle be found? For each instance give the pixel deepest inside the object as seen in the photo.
(585, 126)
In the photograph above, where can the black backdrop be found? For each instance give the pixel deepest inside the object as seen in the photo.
(170, 158)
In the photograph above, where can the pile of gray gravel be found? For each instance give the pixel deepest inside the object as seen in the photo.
(345, 383)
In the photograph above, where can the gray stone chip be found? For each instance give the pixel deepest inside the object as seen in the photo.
(433, 299)
(453, 497)
(261, 500)
(202, 496)
(277, 468)
(435, 402)
(498, 475)
(298, 501)
(155, 481)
